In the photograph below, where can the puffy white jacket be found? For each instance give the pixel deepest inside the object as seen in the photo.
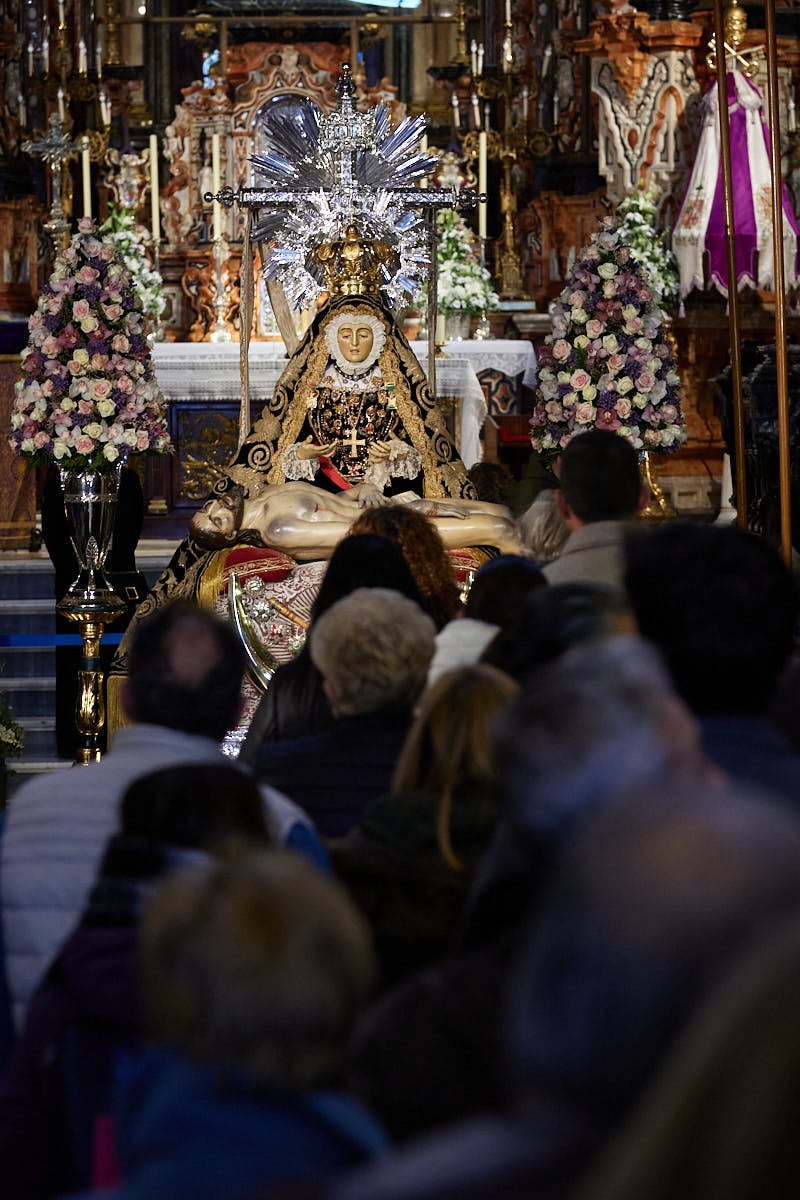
(56, 829)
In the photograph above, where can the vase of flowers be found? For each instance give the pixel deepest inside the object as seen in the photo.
(636, 216)
(88, 396)
(608, 363)
(464, 286)
(131, 240)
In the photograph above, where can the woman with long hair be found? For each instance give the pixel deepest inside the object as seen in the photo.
(409, 863)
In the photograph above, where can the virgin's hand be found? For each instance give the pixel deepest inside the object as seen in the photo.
(379, 452)
(307, 450)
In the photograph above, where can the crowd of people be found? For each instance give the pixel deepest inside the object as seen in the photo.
(500, 899)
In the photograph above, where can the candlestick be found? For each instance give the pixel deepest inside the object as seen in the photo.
(483, 175)
(155, 213)
(508, 55)
(456, 111)
(61, 110)
(45, 54)
(480, 58)
(22, 115)
(86, 176)
(473, 56)
(82, 57)
(476, 110)
(30, 58)
(215, 184)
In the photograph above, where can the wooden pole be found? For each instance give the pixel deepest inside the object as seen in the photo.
(733, 293)
(781, 355)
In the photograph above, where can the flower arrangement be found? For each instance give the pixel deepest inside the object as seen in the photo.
(637, 226)
(130, 240)
(12, 735)
(464, 285)
(607, 363)
(88, 394)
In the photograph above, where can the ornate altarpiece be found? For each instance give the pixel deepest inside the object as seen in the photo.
(259, 74)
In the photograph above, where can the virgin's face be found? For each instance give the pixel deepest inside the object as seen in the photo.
(355, 341)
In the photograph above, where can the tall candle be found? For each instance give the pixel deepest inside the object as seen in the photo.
(82, 57)
(456, 113)
(482, 182)
(215, 184)
(86, 175)
(476, 110)
(22, 114)
(155, 214)
(480, 58)
(473, 56)
(61, 12)
(30, 58)
(792, 114)
(45, 54)
(508, 12)
(423, 149)
(98, 59)
(105, 107)
(61, 110)
(487, 115)
(525, 95)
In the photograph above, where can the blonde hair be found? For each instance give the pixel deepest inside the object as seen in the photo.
(257, 964)
(450, 741)
(374, 647)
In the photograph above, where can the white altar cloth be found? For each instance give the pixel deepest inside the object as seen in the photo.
(209, 371)
(505, 355)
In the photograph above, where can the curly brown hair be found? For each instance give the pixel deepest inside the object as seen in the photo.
(423, 550)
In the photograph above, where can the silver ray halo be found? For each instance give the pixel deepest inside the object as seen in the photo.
(342, 167)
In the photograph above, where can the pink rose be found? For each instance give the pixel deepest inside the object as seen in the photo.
(580, 379)
(101, 388)
(80, 309)
(86, 275)
(645, 381)
(142, 441)
(623, 407)
(561, 350)
(74, 368)
(113, 312)
(84, 444)
(594, 328)
(99, 361)
(85, 407)
(120, 343)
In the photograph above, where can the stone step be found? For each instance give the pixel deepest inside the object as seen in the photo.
(27, 616)
(33, 696)
(40, 738)
(24, 662)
